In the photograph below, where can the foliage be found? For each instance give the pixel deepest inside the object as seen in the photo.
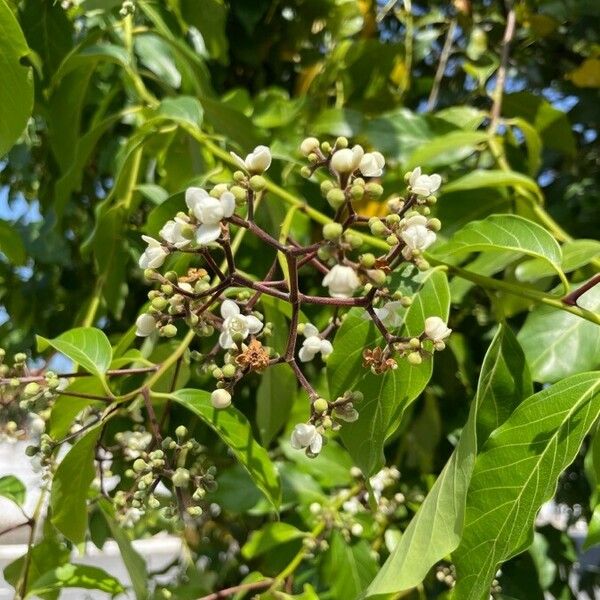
(424, 459)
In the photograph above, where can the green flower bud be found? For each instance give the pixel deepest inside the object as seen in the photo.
(31, 450)
(171, 276)
(313, 158)
(414, 358)
(181, 432)
(373, 190)
(336, 197)
(192, 320)
(377, 277)
(257, 183)
(326, 186)
(431, 200)
(31, 389)
(393, 219)
(367, 260)
(139, 465)
(326, 147)
(415, 343)
(159, 303)
(332, 231)
(434, 224)
(20, 357)
(392, 240)
(320, 405)
(237, 337)
(166, 289)
(341, 142)
(149, 274)
(169, 330)
(377, 227)
(153, 502)
(181, 477)
(406, 301)
(357, 396)
(357, 192)
(239, 175)
(324, 253)
(217, 373)
(353, 239)
(219, 190)
(194, 511)
(305, 172)
(239, 193)
(229, 371)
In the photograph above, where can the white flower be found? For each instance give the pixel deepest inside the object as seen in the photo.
(172, 232)
(220, 398)
(424, 185)
(145, 325)
(342, 281)
(236, 323)
(258, 161)
(436, 329)
(310, 144)
(371, 164)
(347, 160)
(154, 255)
(307, 436)
(209, 211)
(313, 344)
(389, 313)
(416, 235)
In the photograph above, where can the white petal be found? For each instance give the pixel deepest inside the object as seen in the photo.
(150, 241)
(254, 325)
(229, 309)
(225, 340)
(239, 160)
(316, 444)
(414, 176)
(193, 195)
(309, 330)
(205, 234)
(228, 203)
(435, 181)
(326, 348)
(306, 354)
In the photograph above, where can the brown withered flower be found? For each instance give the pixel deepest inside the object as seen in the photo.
(254, 357)
(378, 361)
(193, 275)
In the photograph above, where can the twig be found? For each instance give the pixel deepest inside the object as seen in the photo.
(571, 299)
(441, 68)
(242, 587)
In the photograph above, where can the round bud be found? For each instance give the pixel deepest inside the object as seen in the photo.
(181, 432)
(341, 142)
(149, 274)
(139, 465)
(393, 219)
(357, 396)
(367, 260)
(308, 145)
(31, 450)
(217, 373)
(169, 330)
(20, 357)
(326, 186)
(342, 161)
(229, 371)
(159, 303)
(406, 301)
(326, 147)
(336, 197)
(422, 264)
(439, 345)
(373, 190)
(220, 398)
(305, 172)
(194, 511)
(192, 320)
(353, 239)
(378, 228)
(166, 289)
(426, 211)
(332, 231)
(31, 389)
(414, 358)
(181, 477)
(431, 200)
(434, 224)
(239, 176)
(239, 193)
(377, 277)
(327, 423)
(313, 158)
(219, 190)
(395, 205)
(357, 192)
(320, 405)
(392, 240)
(415, 343)
(258, 183)
(324, 253)
(153, 502)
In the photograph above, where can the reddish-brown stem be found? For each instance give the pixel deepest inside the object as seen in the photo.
(571, 299)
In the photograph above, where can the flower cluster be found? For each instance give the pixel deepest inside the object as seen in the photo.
(221, 303)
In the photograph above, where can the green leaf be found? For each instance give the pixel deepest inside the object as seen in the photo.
(575, 254)
(13, 489)
(75, 576)
(386, 396)
(268, 537)
(16, 84)
(485, 179)
(210, 18)
(155, 54)
(516, 473)
(435, 531)
(85, 346)
(557, 343)
(533, 142)
(446, 149)
(274, 399)
(235, 431)
(70, 486)
(11, 244)
(348, 567)
(134, 563)
(505, 232)
(183, 109)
